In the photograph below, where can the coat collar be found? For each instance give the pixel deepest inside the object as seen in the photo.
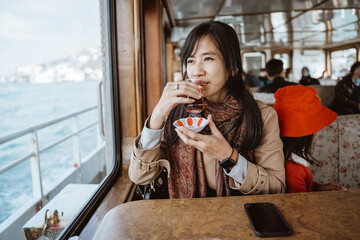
(299, 160)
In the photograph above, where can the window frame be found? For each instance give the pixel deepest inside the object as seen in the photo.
(78, 223)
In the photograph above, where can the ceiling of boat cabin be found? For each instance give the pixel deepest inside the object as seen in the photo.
(262, 24)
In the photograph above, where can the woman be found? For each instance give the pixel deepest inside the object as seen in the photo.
(306, 79)
(301, 115)
(243, 134)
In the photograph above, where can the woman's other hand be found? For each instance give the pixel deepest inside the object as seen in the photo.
(215, 144)
(174, 93)
(329, 187)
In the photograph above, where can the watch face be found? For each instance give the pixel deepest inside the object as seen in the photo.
(226, 163)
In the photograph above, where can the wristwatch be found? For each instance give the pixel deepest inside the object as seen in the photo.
(228, 163)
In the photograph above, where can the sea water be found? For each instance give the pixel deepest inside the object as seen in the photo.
(23, 105)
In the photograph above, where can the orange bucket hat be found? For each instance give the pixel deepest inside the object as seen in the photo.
(300, 111)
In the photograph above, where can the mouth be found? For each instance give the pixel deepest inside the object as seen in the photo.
(200, 82)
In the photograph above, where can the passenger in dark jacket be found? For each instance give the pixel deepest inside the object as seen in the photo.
(347, 93)
(251, 80)
(306, 79)
(275, 72)
(262, 77)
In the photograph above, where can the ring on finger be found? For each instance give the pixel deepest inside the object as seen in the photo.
(176, 86)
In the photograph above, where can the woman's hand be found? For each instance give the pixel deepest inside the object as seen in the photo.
(329, 187)
(174, 93)
(215, 144)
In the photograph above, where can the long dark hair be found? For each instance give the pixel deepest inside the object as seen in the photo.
(227, 42)
(301, 146)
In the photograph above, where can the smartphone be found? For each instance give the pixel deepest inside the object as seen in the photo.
(266, 220)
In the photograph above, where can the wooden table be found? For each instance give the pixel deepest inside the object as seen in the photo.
(317, 215)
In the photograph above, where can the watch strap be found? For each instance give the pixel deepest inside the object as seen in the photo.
(229, 162)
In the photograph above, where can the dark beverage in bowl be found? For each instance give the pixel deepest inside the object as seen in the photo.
(198, 106)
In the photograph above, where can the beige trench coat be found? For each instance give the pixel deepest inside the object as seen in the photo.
(266, 175)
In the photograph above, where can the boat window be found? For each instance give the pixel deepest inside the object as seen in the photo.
(341, 62)
(314, 60)
(284, 57)
(253, 62)
(54, 105)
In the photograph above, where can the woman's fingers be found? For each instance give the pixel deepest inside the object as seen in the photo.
(214, 130)
(184, 100)
(331, 186)
(189, 83)
(336, 185)
(184, 89)
(219, 149)
(188, 140)
(191, 134)
(174, 93)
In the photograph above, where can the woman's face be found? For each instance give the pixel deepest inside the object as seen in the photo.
(207, 65)
(305, 72)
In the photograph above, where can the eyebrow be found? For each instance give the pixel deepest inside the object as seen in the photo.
(205, 53)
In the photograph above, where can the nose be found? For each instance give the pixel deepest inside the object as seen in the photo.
(198, 70)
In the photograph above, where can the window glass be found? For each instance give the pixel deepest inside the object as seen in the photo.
(284, 57)
(280, 29)
(50, 68)
(341, 62)
(314, 60)
(253, 62)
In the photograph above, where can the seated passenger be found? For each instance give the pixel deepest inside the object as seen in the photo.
(347, 93)
(243, 134)
(289, 76)
(306, 79)
(251, 80)
(301, 115)
(262, 77)
(324, 76)
(275, 72)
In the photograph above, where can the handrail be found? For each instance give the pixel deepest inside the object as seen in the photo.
(66, 137)
(100, 109)
(16, 162)
(88, 126)
(56, 143)
(16, 134)
(34, 155)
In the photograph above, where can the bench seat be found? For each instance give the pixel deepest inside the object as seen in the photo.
(337, 147)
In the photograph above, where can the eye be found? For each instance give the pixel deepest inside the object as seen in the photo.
(207, 59)
(189, 61)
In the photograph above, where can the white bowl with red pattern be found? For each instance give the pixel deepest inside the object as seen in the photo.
(195, 124)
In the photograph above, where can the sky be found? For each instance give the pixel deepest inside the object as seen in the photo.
(36, 32)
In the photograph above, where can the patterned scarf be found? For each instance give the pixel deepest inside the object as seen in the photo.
(187, 176)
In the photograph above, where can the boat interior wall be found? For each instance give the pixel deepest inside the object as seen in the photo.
(274, 23)
(131, 74)
(126, 70)
(154, 47)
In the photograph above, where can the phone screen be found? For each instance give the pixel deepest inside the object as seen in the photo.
(266, 220)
